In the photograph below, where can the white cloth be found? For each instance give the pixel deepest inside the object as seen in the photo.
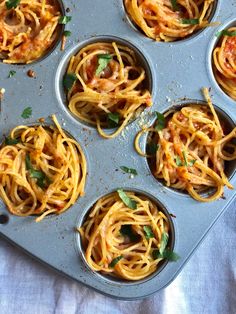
(207, 284)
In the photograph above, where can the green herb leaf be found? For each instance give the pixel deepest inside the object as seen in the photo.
(115, 261)
(192, 162)
(185, 159)
(170, 255)
(11, 73)
(126, 230)
(113, 119)
(164, 241)
(11, 141)
(64, 19)
(190, 21)
(12, 4)
(148, 232)
(69, 80)
(225, 32)
(152, 148)
(67, 33)
(27, 112)
(129, 170)
(42, 179)
(167, 254)
(103, 61)
(160, 122)
(126, 200)
(175, 5)
(28, 162)
(178, 161)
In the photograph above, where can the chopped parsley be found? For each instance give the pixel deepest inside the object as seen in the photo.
(148, 232)
(27, 112)
(42, 179)
(67, 33)
(69, 80)
(192, 162)
(103, 61)
(129, 170)
(12, 4)
(167, 254)
(126, 199)
(179, 162)
(164, 241)
(160, 121)
(11, 73)
(175, 5)
(115, 261)
(64, 19)
(11, 141)
(113, 119)
(225, 32)
(190, 21)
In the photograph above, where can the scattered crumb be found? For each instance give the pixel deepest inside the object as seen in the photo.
(41, 120)
(31, 73)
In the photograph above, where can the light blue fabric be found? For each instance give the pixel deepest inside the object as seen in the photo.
(206, 285)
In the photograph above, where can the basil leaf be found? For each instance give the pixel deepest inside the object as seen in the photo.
(67, 33)
(12, 4)
(11, 141)
(152, 148)
(103, 61)
(164, 241)
(192, 162)
(167, 254)
(69, 80)
(190, 21)
(115, 261)
(64, 19)
(178, 161)
(148, 232)
(160, 122)
(126, 200)
(225, 32)
(126, 230)
(27, 112)
(11, 73)
(129, 170)
(175, 5)
(113, 119)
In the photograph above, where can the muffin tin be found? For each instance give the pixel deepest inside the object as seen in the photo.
(176, 73)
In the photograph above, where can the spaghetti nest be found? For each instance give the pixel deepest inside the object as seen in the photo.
(108, 88)
(224, 62)
(42, 171)
(28, 30)
(168, 20)
(122, 241)
(191, 151)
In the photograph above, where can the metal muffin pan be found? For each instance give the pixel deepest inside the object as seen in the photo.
(178, 71)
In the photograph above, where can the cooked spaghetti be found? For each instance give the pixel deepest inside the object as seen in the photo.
(224, 62)
(121, 241)
(108, 87)
(168, 20)
(42, 171)
(191, 150)
(28, 30)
